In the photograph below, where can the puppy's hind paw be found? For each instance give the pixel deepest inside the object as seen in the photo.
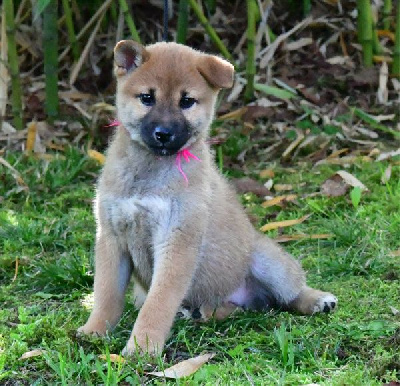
(326, 303)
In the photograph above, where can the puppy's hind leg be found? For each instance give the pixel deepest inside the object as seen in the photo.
(284, 279)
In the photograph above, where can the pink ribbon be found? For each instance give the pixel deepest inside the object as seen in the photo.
(114, 122)
(186, 155)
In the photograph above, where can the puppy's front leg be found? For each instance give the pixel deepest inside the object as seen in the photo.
(112, 273)
(174, 266)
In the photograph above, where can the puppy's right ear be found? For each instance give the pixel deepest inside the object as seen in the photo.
(128, 56)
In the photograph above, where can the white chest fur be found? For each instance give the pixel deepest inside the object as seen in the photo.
(125, 214)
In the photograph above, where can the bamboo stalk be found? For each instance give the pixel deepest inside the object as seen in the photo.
(252, 10)
(365, 34)
(114, 12)
(306, 7)
(71, 30)
(396, 50)
(82, 32)
(129, 20)
(210, 30)
(85, 52)
(212, 6)
(4, 76)
(387, 9)
(183, 16)
(50, 47)
(16, 94)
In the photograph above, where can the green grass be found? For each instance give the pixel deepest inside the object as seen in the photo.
(50, 229)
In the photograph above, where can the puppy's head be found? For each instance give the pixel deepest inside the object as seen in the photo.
(166, 93)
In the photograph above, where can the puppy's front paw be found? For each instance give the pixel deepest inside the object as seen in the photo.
(325, 303)
(92, 329)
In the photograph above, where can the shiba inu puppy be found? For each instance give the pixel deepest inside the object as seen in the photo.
(175, 227)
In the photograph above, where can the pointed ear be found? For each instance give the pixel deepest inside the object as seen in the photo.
(217, 72)
(128, 55)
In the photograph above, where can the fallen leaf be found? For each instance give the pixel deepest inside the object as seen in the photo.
(395, 311)
(114, 358)
(282, 224)
(387, 155)
(236, 114)
(281, 187)
(31, 137)
(246, 185)
(386, 174)
(286, 238)
(351, 180)
(267, 173)
(184, 368)
(278, 200)
(395, 253)
(30, 354)
(254, 112)
(334, 187)
(14, 172)
(100, 158)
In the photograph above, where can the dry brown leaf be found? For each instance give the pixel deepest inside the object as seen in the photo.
(30, 354)
(286, 238)
(246, 185)
(281, 224)
(389, 154)
(348, 160)
(334, 187)
(31, 137)
(294, 144)
(386, 174)
(278, 200)
(394, 310)
(14, 172)
(267, 173)
(184, 368)
(94, 154)
(236, 114)
(281, 187)
(114, 358)
(339, 152)
(351, 180)
(395, 253)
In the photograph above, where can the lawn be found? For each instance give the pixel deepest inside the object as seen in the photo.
(46, 275)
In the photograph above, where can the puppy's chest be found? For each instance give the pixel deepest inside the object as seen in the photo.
(137, 215)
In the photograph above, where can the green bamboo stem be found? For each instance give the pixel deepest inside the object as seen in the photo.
(183, 16)
(396, 51)
(129, 20)
(387, 9)
(365, 33)
(252, 9)
(211, 6)
(16, 94)
(71, 30)
(210, 30)
(306, 7)
(114, 12)
(376, 45)
(50, 46)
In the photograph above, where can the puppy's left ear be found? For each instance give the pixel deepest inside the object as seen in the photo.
(217, 72)
(128, 56)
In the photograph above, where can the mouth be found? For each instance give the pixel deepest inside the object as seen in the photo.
(163, 151)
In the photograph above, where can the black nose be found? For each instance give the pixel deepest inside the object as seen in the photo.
(163, 135)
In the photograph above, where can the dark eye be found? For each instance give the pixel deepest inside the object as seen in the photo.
(147, 99)
(186, 102)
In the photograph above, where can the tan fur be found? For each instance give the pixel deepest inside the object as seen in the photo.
(183, 245)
